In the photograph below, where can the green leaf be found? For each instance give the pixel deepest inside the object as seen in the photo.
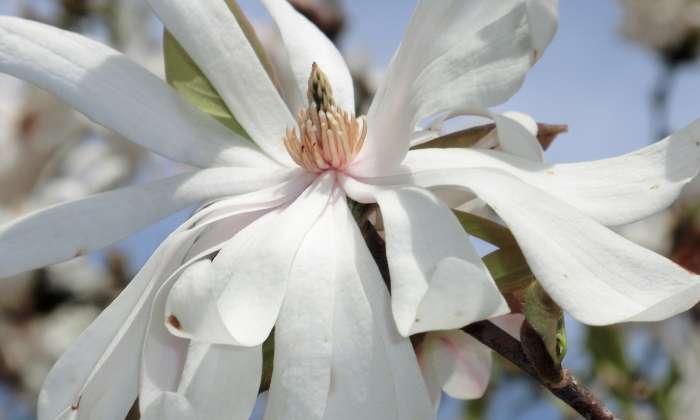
(485, 229)
(183, 74)
(509, 269)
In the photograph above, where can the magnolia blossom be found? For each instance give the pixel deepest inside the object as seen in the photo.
(275, 245)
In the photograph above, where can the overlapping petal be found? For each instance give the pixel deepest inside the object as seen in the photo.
(438, 281)
(214, 39)
(477, 59)
(248, 278)
(115, 92)
(375, 372)
(456, 363)
(67, 230)
(301, 378)
(192, 380)
(594, 274)
(613, 191)
(97, 377)
(305, 44)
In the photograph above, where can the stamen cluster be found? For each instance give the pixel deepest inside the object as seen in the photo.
(329, 137)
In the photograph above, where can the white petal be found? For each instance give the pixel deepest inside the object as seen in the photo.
(68, 230)
(200, 373)
(305, 45)
(304, 331)
(375, 371)
(222, 382)
(460, 363)
(114, 91)
(476, 60)
(212, 36)
(169, 406)
(596, 275)
(97, 377)
(438, 281)
(517, 135)
(249, 276)
(613, 191)
(544, 22)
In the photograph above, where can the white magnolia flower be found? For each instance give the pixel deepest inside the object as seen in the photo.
(289, 252)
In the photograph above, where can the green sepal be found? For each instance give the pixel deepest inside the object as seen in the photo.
(509, 269)
(485, 229)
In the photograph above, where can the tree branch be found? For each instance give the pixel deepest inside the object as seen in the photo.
(568, 390)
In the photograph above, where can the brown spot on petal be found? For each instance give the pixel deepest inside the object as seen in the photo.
(26, 126)
(550, 172)
(172, 320)
(79, 253)
(76, 406)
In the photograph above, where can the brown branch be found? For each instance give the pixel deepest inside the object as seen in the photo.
(568, 390)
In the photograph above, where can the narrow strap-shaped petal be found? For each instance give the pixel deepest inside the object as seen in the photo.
(222, 382)
(456, 363)
(115, 92)
(438, 281)
(613, 191)
(301, 377)
(375, 371)
(306, 44)
(214, 39)
(477, 59)
(71, 229)
(97, 377)
(596, 275)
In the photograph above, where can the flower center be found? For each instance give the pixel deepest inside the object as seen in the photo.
(328, 137)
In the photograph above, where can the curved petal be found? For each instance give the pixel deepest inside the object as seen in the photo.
(207, 380)
(438, 281)
(71, 229)
(305, 45)
(198, 373)
(457, 362)
(248, 278)
(613, 191)
(375, 373)
(301, 377)
(115, 92)
(477, 59)
(212, 36)
(97, 377)
(596, 275)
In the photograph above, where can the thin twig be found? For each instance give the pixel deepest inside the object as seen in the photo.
(568, 390)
